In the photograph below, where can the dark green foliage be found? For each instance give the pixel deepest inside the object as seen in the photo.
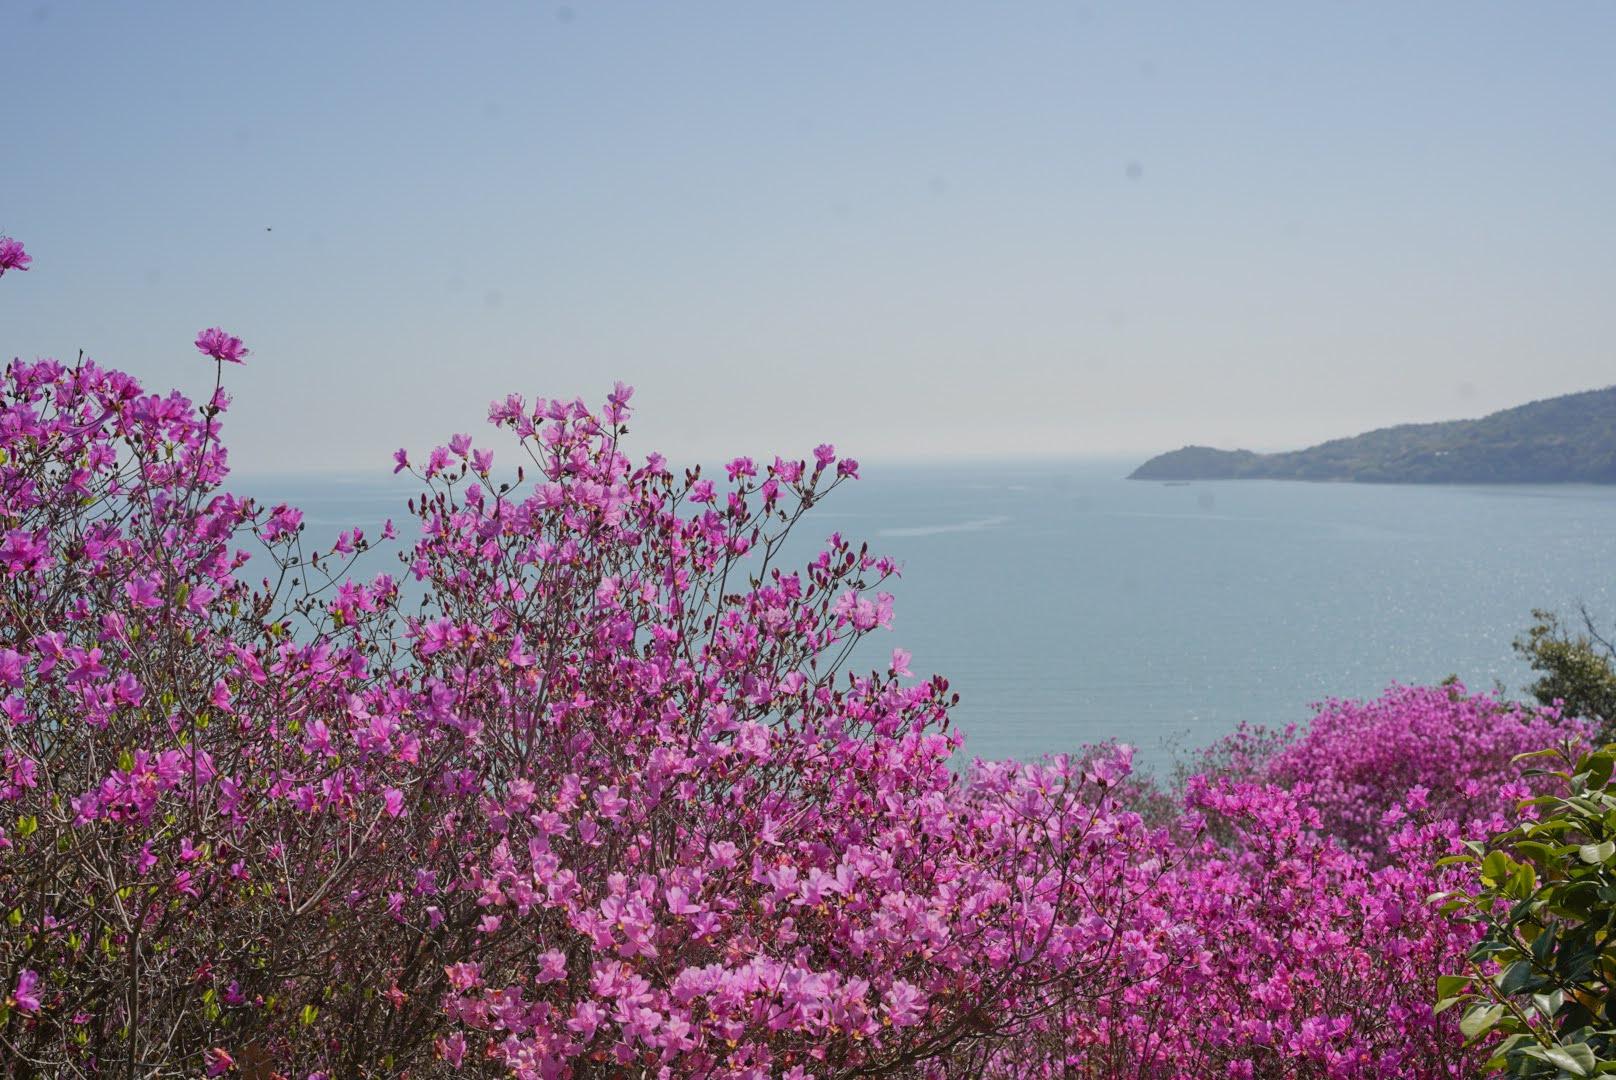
(1564, 439)
(1575, 667)
(1542, 974)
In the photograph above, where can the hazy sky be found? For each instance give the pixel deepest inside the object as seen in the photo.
(923, 230)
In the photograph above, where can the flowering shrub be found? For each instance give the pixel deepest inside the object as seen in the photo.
(1364, 766)
(1450, 751)
(1301, 896)
(1309, 960)
(605, 797)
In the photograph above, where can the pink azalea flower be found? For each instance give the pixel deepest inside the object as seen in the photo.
(12, 256)
(452, 1049)
(25, 998)
(216, 343)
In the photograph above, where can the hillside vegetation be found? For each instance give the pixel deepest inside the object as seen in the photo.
(1568, 439)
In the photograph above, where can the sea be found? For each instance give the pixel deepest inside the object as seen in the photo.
(1069, 606)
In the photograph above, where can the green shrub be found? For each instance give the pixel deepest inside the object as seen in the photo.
(1575, 668)
(1539, 980)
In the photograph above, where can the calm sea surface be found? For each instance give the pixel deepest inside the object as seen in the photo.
(1067, 605)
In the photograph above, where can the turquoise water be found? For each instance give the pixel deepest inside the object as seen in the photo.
(1067, 605)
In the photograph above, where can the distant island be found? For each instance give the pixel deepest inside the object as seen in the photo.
(1569, 439)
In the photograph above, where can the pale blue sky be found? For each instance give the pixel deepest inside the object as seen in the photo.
(922, 230)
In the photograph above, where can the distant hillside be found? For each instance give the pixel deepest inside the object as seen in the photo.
(1570, 439)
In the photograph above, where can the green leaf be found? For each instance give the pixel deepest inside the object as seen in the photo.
(1522, 883)
(1597, 853)
(1535, 850)
(1543, 946)
(1501, 1051)
(1548, 1004)
(1448, 985)
(1480, 1020)
(1598, 768)
(1515, 978)
(1577, 1059)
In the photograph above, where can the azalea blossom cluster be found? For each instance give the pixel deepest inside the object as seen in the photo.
(591, 786)
(1447, 753)
(1307, 859)
(607, 798)
(702, 845)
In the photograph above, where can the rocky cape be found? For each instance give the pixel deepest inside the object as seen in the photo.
(1568, 439)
